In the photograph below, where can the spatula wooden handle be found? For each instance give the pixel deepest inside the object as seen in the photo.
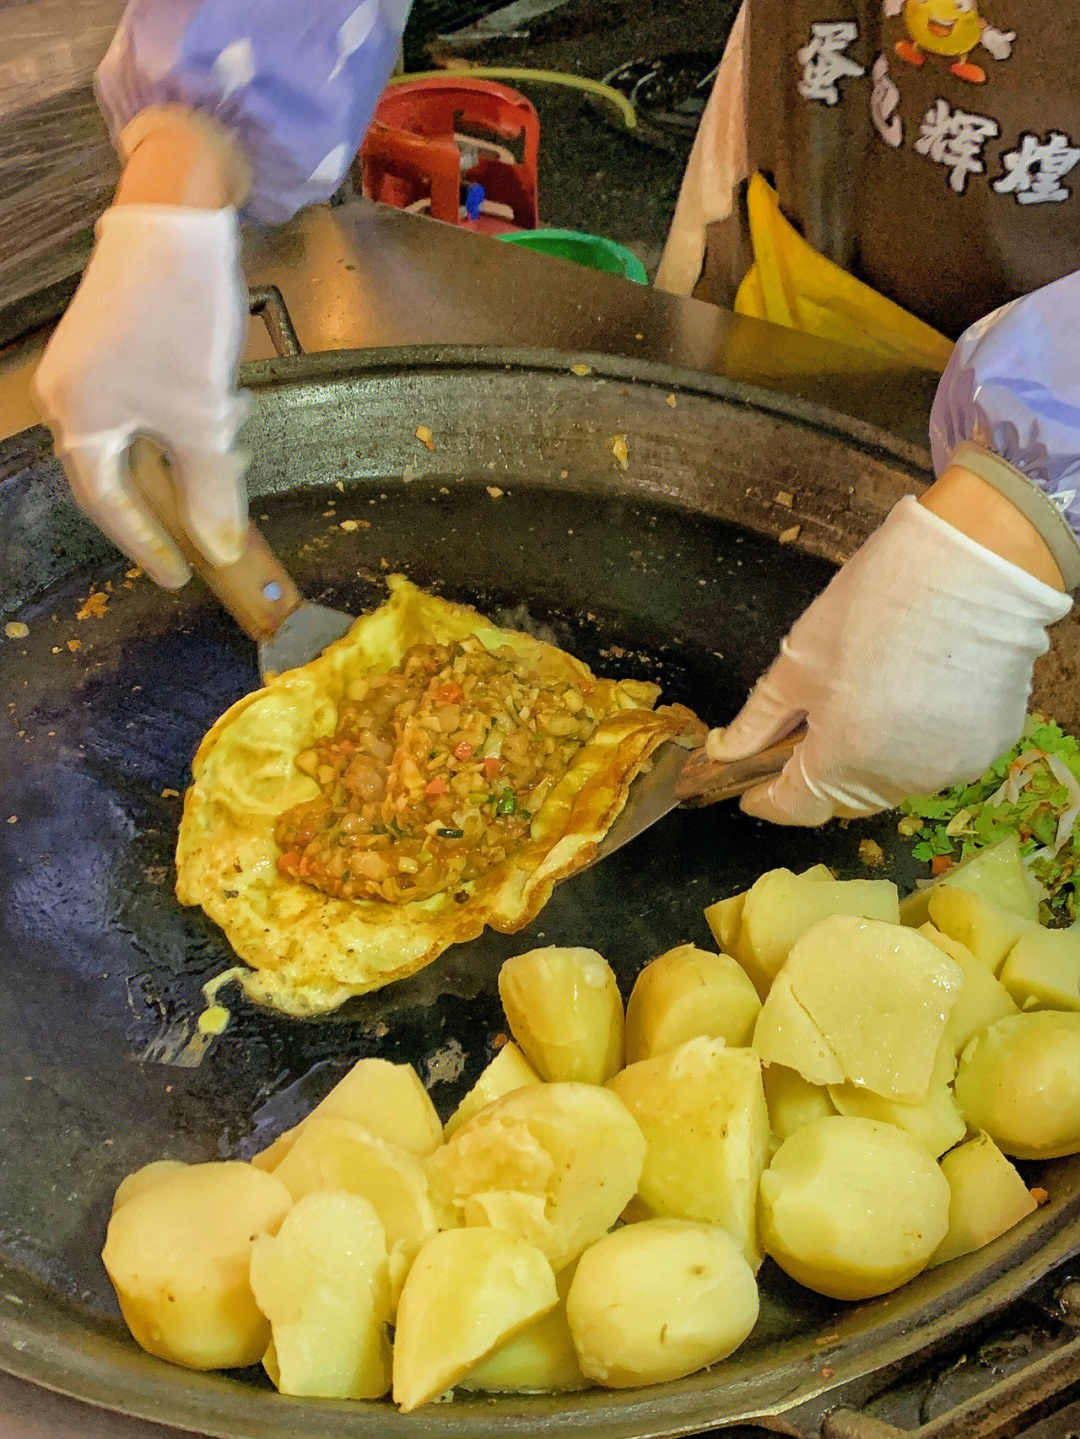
(255, 589)
(705, 781)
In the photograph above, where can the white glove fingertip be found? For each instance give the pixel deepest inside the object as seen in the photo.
(768, 715)
(787, 799)
(215, 502)
(93, 477)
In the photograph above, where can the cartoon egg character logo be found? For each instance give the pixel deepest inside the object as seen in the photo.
(951, 29)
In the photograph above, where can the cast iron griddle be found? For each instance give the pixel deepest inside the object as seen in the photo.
(646, 573)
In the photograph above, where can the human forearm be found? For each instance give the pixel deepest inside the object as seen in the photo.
(178, 157)
(974, 507)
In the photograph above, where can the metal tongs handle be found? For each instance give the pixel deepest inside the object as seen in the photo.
(706, 781)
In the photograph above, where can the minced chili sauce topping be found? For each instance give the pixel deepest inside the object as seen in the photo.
(433, 773)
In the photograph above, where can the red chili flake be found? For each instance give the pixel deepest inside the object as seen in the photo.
(437, 786)
(464, 750)
(450, 693)
(492, 765)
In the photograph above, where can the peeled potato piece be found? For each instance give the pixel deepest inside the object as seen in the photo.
(1020, 1082)
(336, 1154)
(792, 1100)
(658, 1300)
(388, 1100)
(724, 918)
(469, 1291)
(785, 1034)
(980, 1000)
(322, 1282)
(987, 929)
(143, 1179)
(1042, 970)
(880, 995)
(553, 1163)
(987, 1197)
(782, 906)
(702, 1111)
(998, 874)
(565, 1011)
(685, 994)
(509, 1070)
(178, 1252)
(539, 1360)
(852, 1208)
(935, 1122)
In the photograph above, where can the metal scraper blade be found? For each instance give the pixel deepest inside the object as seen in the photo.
(301, 637)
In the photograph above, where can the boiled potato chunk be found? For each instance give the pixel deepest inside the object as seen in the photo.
(997, 873)
(792, 1100)
(469, 1291)
(1042, 970)
(555, 1164)
(880, 995)
(935, 1122)
(178, 1252)
(702, 1111)
(658, 1300)
(983, 927)
(852, 1208)
(322, 1282)
(987, 1197)
(388, 1100)
(539, 1360)
(336, 1154)
(143, 1179)
(565, 1011)
(509, 1070)
(786, 1035)
(724, 918)
(782, 906)
(1020, 1082)
(980, 1000)
(685, 994)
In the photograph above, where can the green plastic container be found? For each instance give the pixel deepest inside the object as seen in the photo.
(592, 251)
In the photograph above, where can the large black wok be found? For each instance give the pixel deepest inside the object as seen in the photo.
(671, 570)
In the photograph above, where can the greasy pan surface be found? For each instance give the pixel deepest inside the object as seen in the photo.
(669, 571)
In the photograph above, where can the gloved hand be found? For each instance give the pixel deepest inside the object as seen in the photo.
(913, 670)
(150, 345)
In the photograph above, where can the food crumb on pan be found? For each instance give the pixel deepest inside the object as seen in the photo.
(581, 369)
(16, 630)
(824, 1339)
(495, 492)
(871, 853)
(349, 525)
(827, 1373)
(671, 400)
(1040, 1196)
(94, 606)
(564, 474)
(170, 794)
(74, 646)
(620, 451)
(785, 498)
(790, 536)
(13, 819)
(426, 438)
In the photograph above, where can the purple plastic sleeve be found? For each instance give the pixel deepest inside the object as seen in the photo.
(297, 80)
(1012, 386)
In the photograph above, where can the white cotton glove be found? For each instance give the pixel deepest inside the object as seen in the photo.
(913, 670)
(150, 345)
(998, 43)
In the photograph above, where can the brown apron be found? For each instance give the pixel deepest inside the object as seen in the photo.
(929, 147)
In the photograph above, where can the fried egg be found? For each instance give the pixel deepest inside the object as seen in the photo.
(309, 951)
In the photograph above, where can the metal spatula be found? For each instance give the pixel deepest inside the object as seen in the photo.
(679, 778)
(256, 590)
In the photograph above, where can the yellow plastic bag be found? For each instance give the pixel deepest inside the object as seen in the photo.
(791, 284)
